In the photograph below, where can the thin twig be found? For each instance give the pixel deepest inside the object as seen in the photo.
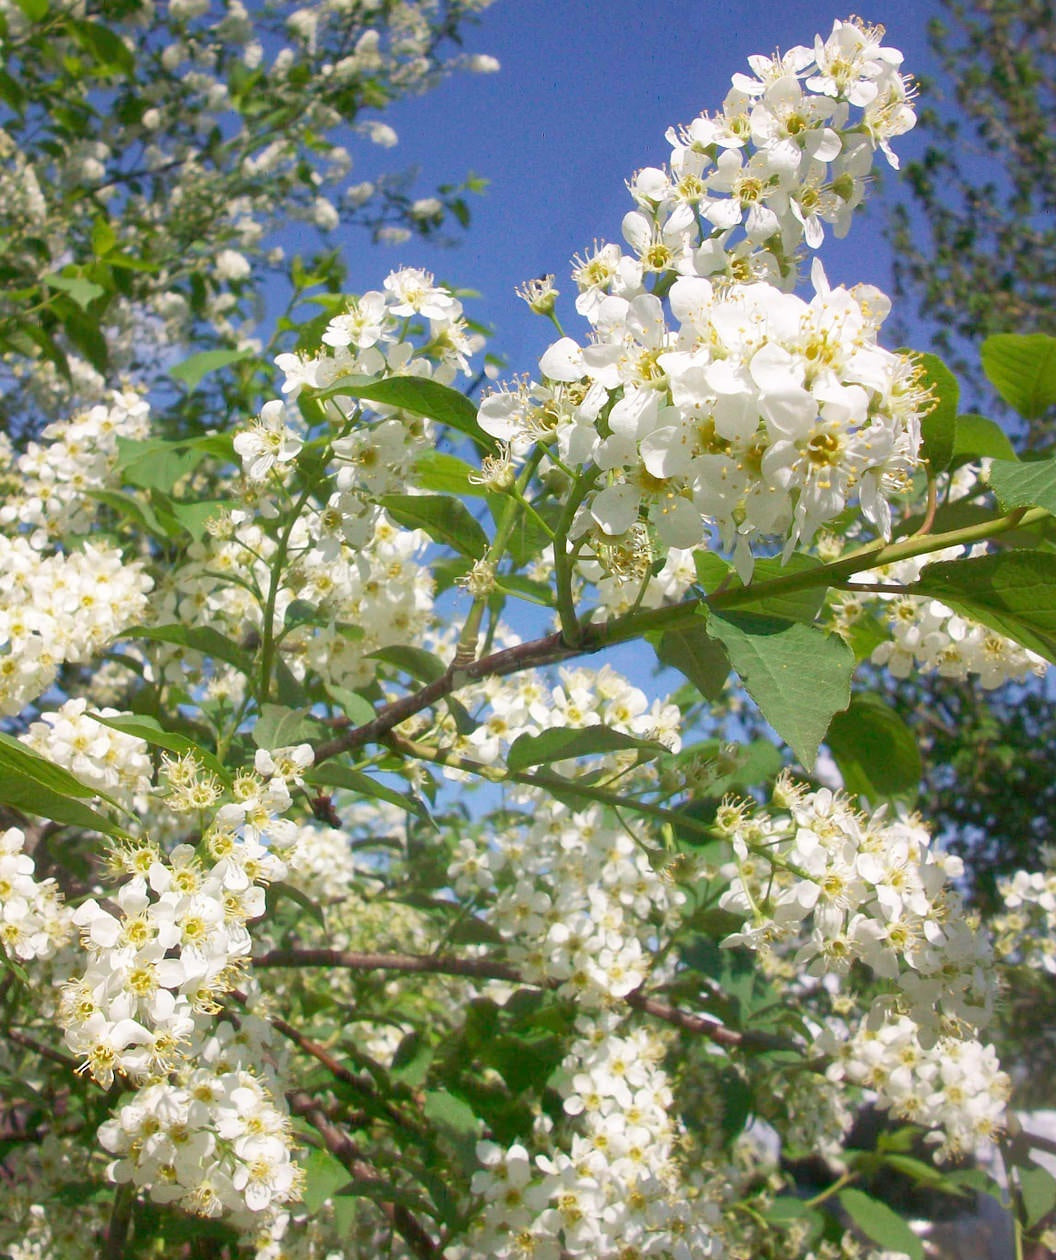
(488, 969)
(45, 1052)
(593, 636)
(343, 1149)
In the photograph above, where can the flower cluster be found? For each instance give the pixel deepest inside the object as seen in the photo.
(189, 227)
(34, 919)
(748, 412)
(58, 608)
(835, 887)
(116, 765)
(174, 937)
(523, 705)
(53, 480)
(953, 1086)
(844, 887)
(1026, 930)
(928, 637)
(614, 1187)
(215, 1142)
(576, 901)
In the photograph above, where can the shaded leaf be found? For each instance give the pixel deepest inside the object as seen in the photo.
(421, 397)
(444, 519)
(34, 785)
(105, 45)
(876, 752)
(1038, 1188)
(1023, 371)
(150, 730)
(278, 889)
(938, 428)
(444, 1109)
(798, 675)
(202, 639)
(192, 370)
(1012, 592)
(334, 775)
(695, 654)
(878, 1222)
(560, 743)
(421, 665)
(1027, 484)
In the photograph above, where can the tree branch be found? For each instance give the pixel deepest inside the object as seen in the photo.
(488, 969)
(596, 635)
(341, 1146)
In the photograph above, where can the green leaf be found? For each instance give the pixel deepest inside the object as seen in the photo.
(150, 730)
(156, 464)
(34, 785)
(444, 519)
(924, 1174)
(192, 370)
(291, 892)
(798, 675)
(16, 968)
(713, 571)
(1028, 484)
(1023, 371)
(1012, 592)
(422, 666)
(521, 587)
(324, 1176)
(108, 49)
(335, 775)
(976, 437)
(875, 750)
(202, 639)
(785, 605)
(442, 1108)
(410, 1063)
(864, 635)
(11, 92)
(787, 1210)
(83, 330)
(355, 707)
(103, 238)
(194, 516)
(562, 742)
(421, 397)
(694, 653)
(446, 474)
(938, 428)
(34, 10)
(280, 727)
(878, 1222)
(83, 291)
(141, 515)
(1038, 1188)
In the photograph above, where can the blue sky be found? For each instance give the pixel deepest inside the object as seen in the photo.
(586, 91)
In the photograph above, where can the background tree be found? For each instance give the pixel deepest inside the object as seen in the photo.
(151, 152)
(975, 248)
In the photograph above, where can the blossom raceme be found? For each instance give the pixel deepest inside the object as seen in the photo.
(711, 403)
